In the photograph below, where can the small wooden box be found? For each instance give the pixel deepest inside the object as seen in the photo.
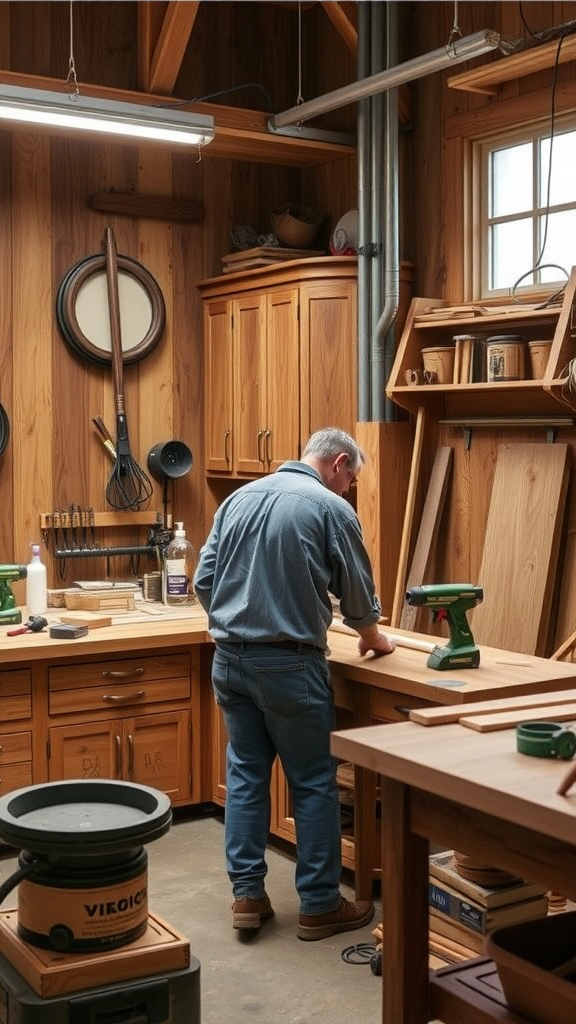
(119, 600)
(50, 973)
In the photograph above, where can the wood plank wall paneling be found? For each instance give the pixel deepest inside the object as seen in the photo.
(6, 370)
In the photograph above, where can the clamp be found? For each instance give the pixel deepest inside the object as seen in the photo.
(545, 739)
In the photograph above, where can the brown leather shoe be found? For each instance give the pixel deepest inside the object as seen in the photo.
(249, 913)
(345, 918)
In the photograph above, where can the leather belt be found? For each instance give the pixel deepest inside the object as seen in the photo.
(287, 645)
(545, 739)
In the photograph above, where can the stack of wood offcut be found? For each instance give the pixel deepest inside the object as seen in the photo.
(468, 899)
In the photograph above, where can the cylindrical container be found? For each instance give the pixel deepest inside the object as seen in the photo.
(82, 905)
(152, 586)
(439, 360)
(506, 358)
(36, 587)
(539, 353)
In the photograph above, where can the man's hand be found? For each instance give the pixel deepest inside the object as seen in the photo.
(380, 644)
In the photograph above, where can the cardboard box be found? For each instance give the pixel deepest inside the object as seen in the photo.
(50, 973)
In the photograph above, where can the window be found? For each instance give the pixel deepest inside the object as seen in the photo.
(525, 224)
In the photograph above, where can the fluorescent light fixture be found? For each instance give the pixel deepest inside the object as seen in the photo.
(453, 53)
(109, 117)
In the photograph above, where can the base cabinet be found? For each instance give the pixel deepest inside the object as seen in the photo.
(15, 729)
(152, 750)
(130, 718)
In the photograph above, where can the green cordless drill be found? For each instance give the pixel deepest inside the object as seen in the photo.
(450, 602)
(8, 611)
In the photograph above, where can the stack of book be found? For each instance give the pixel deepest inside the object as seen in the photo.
(463, 911)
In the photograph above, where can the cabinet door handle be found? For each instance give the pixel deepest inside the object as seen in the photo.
(130, 757)
(268, 436)
(127, 674)
(118, 756)
(123, 698)
(259, 439)
(227, 434)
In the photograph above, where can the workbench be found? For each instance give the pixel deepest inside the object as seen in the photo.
(471, 791)
(134, 700)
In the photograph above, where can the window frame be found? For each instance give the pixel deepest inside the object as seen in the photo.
(477, 187)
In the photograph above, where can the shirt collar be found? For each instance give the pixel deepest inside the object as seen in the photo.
(300, 467)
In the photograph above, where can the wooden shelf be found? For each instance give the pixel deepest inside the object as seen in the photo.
(426, 326)
(488, 78)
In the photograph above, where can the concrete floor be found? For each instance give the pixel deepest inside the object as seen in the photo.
(267, 977)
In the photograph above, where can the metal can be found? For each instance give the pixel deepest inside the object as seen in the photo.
(506, 358)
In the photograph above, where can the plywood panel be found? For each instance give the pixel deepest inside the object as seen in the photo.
(521, 547)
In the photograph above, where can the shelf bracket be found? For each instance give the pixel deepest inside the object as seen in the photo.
(550, 423)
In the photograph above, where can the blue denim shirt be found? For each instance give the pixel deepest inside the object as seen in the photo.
(278, 548)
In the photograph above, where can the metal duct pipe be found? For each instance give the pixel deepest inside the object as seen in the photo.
(379, 255)
(383, 408)
(437, 60)
(364, 256)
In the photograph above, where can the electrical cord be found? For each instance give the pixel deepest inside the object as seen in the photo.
(362, 953)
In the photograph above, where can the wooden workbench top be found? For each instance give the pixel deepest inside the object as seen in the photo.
(132, 631)
(500, 674)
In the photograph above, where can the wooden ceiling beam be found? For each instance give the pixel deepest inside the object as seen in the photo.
(238, 134)
(343, 17)
(162, 43)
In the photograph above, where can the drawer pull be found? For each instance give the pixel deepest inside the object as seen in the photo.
(128, 674)
(118, 756)
(123, 698)
(402, 710)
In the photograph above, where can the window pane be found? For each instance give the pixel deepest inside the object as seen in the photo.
(511, 176)
(511, 248)
(560, 244)
(563, 179)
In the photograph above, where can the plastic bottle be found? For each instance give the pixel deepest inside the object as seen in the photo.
(36, 587)
(179, 570)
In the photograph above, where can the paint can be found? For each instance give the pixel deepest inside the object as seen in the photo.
(539, 353)
(506, 358)
(439, 359)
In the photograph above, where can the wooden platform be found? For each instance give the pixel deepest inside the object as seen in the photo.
(50, 973)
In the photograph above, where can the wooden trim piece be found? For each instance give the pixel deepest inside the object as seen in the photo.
(447, 715)
(428, 531)
(341, 15)
(171, 45)
(494, 117)
(408, 517)
(509, 719)
(135, 204)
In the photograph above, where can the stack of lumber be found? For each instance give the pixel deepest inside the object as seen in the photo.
(468, 900)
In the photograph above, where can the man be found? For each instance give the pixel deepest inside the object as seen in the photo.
(278, 548)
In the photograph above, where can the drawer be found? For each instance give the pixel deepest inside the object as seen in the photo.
(388, 706)
(128, 670)
(15, 695)
(15, 776)
(114, 694)
(15, 747)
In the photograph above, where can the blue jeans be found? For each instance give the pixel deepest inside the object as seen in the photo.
(275, 701)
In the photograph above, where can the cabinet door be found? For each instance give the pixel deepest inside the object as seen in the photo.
(282, 378)
(157, 752)
(328, 332)
(218, 377)
(250, 383)
(92, 750)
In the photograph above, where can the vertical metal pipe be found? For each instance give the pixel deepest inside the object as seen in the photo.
(363, 158)
(376, 219)
(383, 329)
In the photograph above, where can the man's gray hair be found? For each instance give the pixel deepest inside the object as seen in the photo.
(331, 441)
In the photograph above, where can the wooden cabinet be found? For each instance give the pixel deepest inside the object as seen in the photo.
(15, 729)
(129, 718)
(280, 361)
(431, 323)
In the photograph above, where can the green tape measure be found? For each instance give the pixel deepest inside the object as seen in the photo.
(545, 739)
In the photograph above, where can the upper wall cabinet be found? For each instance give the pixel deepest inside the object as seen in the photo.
(486, 359)
(280, 361)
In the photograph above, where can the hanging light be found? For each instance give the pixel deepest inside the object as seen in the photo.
(453, 53)
(109, 117)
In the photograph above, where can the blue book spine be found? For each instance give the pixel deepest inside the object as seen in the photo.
(457, 909)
